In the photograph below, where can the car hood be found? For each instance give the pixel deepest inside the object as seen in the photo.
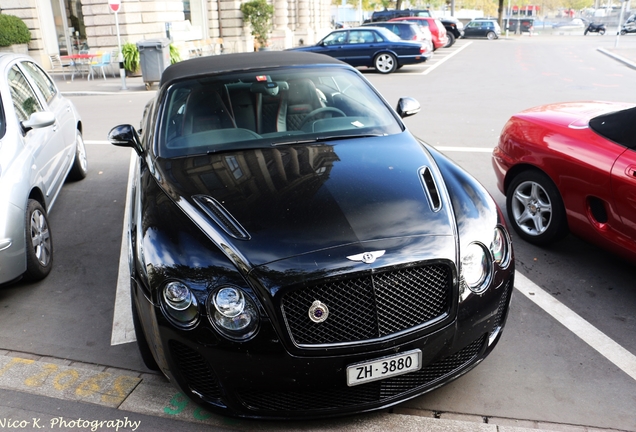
(572, 114)
(273, 203)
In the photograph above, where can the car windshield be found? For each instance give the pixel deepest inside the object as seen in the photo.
(265, 108)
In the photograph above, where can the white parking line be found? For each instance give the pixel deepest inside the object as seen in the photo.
(612, 351)
(427, 71)
(123, 327)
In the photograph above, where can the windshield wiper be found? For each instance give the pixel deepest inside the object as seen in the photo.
(325, 139)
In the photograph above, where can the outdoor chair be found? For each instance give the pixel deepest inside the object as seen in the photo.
(102, 64)
(58, 65)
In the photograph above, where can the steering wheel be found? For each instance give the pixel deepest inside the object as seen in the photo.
(320, 111)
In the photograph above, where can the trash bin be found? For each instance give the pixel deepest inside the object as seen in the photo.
(154, 58)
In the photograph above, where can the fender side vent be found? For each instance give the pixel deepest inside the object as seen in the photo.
(222, 217)
(597, 208)
(431, 189)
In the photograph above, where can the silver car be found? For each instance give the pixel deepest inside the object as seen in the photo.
(40, 146)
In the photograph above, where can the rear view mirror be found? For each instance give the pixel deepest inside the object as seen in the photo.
(125, 136)
(39, 119)
(407, 106)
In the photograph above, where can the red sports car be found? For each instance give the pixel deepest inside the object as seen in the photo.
(571, 167)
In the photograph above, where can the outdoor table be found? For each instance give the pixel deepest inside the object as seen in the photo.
(78, 61)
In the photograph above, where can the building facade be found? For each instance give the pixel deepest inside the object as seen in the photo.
(66, 26)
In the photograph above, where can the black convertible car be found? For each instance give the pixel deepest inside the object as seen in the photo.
(294, 251)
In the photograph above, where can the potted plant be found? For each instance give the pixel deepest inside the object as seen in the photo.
(14, 34)
(130, 53)
(259, 14)
(175, 55)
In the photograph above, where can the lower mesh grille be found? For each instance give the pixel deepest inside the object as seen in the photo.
(323, 399)
(195, 370)
(503, 301)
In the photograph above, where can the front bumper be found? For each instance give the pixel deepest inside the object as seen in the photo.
(262, 379)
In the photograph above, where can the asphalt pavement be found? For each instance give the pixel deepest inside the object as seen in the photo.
(52, 393)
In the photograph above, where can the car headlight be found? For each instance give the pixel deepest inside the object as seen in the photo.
(499, 247)
(475, 268)
(180, 304)
(233, 313)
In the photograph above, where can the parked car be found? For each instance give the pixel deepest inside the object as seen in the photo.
(374, 47)
(387, 14)
(479, 28)
(454, 28)
(295, 252)
(440, 39)
(408, 31)
(571, 167)
(574, 24)
(40, 145)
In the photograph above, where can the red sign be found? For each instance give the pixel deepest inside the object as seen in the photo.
(114, 5)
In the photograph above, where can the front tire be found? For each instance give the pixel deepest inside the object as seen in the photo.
(385, 63)
(585, 32)
(451, 40)
(601, 32)
(39, 243)
(535, 208)
(80, 164)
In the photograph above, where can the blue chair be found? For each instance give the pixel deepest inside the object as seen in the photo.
(102, 63)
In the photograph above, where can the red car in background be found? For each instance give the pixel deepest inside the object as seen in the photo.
(571, 167)
(437, 29)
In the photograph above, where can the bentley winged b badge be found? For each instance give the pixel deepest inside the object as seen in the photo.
(367, 257)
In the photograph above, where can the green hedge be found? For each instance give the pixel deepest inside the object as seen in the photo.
(13, 31)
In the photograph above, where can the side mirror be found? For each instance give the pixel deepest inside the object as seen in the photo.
(407, 106)
(39, 120)
(125, 136)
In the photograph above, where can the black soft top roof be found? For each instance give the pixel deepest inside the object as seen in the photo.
(243, 61)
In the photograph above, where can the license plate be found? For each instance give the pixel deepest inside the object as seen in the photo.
(384, 367)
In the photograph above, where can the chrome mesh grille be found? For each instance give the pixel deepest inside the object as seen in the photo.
(371, 306)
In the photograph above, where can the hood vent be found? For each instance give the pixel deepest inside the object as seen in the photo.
(222, 217)
(431, 189)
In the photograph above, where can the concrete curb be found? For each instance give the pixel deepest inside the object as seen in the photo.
(621, 59)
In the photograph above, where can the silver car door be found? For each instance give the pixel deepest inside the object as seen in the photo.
(61, 107)
(43, 144)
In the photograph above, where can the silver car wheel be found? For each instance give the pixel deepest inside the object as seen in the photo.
(385, 63)
(81, 152)
(531, 208)
(491, 36)
(40, 237)
(80, 163)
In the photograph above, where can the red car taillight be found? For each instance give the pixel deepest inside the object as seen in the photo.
(422, 49)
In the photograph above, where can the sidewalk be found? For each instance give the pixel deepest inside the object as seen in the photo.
(82, 86)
